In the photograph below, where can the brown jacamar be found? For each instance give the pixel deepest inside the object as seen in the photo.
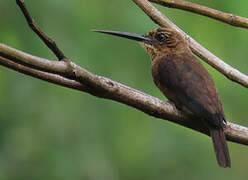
(184, 81)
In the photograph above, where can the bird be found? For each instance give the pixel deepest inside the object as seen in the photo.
(181, 77)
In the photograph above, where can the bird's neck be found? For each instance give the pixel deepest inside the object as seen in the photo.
(179, 52)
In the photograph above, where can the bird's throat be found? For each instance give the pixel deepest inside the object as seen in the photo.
(150, 50)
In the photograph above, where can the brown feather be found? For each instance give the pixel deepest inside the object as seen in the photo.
(187, 83)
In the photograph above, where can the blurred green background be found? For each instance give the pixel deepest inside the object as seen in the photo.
(51, 132)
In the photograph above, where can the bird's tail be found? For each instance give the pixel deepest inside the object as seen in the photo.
(220, 147)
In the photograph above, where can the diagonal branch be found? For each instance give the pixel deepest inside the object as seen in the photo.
(53, 78)
(205, 11)
(57, 72)
(230, 72)
(50, 43)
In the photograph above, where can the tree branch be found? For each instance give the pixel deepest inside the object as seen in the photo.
(53, 78)
(50, 43)
(205, 11)
(57, 72)
(230, 72)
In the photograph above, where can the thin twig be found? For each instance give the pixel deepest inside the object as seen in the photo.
(205, 11)
(50, 43)
(108, 89)
(230, 72)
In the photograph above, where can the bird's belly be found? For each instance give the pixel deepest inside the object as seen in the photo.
(169, 95)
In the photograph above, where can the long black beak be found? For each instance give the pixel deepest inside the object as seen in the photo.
(132, 36)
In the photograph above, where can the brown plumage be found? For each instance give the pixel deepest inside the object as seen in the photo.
(185, 82)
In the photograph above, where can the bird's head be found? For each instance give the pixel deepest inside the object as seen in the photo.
(158, 42)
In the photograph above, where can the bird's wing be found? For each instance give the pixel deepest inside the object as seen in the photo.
(186, 81)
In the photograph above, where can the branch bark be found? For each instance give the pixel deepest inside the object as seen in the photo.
(70, 75)
(228, 18)
(160, 19)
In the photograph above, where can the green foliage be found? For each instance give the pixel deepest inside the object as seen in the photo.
(50, 132)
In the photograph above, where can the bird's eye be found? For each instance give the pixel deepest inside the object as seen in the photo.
(160, 37)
